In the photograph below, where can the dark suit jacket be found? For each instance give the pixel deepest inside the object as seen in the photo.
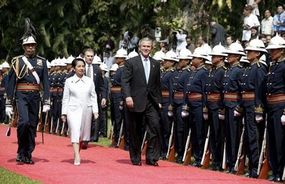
(100, 88)
(134, 83)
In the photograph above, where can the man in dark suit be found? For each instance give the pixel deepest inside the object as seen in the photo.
(142, 94)
(93, 71)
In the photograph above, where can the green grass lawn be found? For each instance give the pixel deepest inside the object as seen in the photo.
(9, 177)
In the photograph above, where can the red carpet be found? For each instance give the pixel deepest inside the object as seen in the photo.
(54, 164)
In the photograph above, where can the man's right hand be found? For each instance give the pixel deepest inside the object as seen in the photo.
(129, 102)
(9, 110)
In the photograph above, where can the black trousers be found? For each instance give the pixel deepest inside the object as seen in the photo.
(197, 125)
(135, 123)
(216, 136)
(28, 108)
(251, 138)
(165, 123)
(276, 134)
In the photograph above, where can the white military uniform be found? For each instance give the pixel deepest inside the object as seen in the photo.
(78, 104)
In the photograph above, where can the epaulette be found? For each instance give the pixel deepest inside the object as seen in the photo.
(14, 59)
(40, 57)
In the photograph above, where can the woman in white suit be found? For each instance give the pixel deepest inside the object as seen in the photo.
(79, 103)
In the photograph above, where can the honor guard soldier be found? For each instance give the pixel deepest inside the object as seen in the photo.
(231, 102)
(3, 86)
(252, 93)
(276, 106)
(181, 73)
(214, 91)
(29, 73)
(195, 101)
(117, 96)
(167, 70)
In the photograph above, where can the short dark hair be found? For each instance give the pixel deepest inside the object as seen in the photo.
(76, 60)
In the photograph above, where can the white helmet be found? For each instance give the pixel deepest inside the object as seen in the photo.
(132, 54)
(199, 52)
(62, 61)
(159, 55)
(185, 54)
(235, 48)
(218, 50)
(104, 67)
(97, 60)
(256, 45)
(29, 40)
(121, 53)
(69, 59)
(5, 65)
(170, 55)
(277, 42)
(114, 67)
(244, 59)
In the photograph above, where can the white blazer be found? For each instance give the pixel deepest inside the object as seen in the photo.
(79, 102)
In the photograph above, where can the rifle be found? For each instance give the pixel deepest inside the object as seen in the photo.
(57, 126)
(240, 161)
(121, 140)
(46, 125)
(263, 164)
(62, 129)
(224, 164)
(144, 143)
(188, 149)
(46, 117)
(206, 154)
(283, 176)
(170, 155)
(51, 125)
(12, 122)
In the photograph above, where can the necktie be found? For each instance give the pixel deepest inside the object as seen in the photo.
(146, 69)
(88, 73)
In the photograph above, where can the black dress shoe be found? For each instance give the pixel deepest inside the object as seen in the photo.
(196, 164)
(29, 161)
(20, 159)
(84, 145)
(137, 163)
(153, 163)
(275, 178)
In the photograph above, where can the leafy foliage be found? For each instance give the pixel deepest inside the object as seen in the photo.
(66, 27)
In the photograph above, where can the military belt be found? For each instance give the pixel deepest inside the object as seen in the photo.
(231, 97)
(178, 95)
(194, 96)
(165, 93)
(116, 89)
(275, 99)
(56, 90)
(248, 96)
(214, 97)
(28, 87)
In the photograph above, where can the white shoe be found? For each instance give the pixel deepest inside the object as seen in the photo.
(76, 162)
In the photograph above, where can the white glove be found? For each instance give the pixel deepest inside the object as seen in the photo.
(258, 118)
(46, 108)
(283, 120)
(9, 111)
(236, 113)
(205, 116)
(184, 114)
(96, 115)
(170, 113)
(221, 117)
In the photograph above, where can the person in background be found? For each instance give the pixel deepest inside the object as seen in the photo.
(79, 104)
(267, 23)
(279, 20)
(218, 33)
